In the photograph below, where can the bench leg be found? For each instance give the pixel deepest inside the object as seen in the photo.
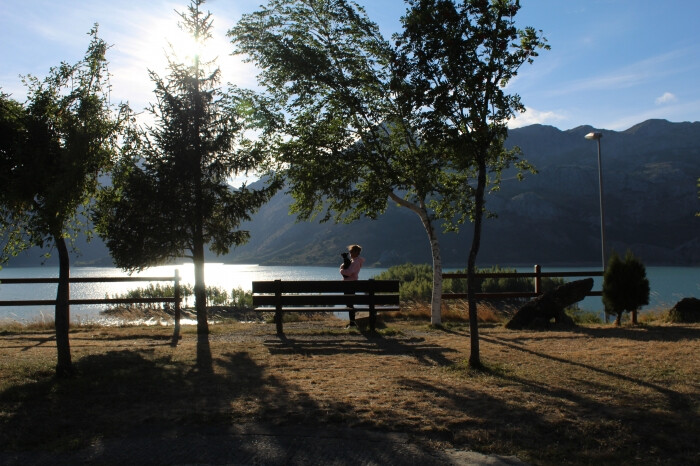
(372, 320)
(278, 322)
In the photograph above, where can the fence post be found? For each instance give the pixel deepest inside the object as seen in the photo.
(372, 308)
(176, 287)
(538, 279)
(278, 306)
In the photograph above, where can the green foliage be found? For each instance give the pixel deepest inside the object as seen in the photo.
(53, 149)
(583, 317)
(216, 296)
(416, 282)
(625, 285)
(180, 168)
(241, 299)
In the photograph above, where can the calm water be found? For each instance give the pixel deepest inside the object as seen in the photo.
(668, 284)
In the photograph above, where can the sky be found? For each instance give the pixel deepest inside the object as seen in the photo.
(612, 63)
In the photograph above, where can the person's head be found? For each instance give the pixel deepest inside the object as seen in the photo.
(355, 250)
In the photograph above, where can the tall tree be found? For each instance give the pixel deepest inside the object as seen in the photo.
(171, 196)
(455, 59)
(54, 147)
(349, 146)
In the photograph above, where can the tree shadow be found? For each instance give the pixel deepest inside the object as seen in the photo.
(677, 401)
(133, 406)
(645, 333)
(368, 343)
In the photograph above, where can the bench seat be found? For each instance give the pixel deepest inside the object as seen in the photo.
(312, 296)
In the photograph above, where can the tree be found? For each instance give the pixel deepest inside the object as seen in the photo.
(349, 146)
(454, 61)
(625, 286)
(171, 195)
(54, 147)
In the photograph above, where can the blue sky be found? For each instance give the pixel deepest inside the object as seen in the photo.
(613, 63)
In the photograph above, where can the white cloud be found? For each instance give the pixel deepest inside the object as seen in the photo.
(631, 75)
(532, 117)
(675, 113)
(665, 99)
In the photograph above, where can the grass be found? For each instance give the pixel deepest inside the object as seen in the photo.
(596, 394)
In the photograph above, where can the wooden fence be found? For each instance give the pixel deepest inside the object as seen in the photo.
(537, 277)
(176, 299)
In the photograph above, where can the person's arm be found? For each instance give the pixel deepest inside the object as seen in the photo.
(354, 269)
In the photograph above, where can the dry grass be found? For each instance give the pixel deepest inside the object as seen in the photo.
(598, 394)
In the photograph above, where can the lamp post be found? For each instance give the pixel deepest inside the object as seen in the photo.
(596, 136)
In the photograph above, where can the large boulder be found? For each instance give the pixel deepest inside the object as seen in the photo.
(685, 311)
(541, 310)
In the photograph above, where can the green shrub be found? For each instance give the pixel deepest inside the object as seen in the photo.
(583, 317)
(625, 286)
(216, 296)
(241, 299)
(416, 282)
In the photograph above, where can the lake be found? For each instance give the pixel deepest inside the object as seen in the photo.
(668, 284)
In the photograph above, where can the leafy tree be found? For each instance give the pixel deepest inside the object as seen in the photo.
(171, 195)
(625, 286)
(454, 61)
(350, 147)
(53, 149)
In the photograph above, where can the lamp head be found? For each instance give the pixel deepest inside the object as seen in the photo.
(594, 136)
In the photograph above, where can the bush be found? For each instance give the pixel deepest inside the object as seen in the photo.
(239, 298)
(416, 282)
(583, 317)
(625, 286)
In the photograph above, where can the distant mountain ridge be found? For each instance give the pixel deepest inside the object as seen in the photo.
(650, 174)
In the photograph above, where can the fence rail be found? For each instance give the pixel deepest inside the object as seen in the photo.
(40, 302)
(537, 275)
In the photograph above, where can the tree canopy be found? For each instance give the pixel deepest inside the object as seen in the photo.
(420, 122)
(171, 195)
(348, 147)
(625, 286)
(54, 149)
(454, 61)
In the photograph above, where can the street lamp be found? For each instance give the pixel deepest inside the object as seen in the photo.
(596, 136)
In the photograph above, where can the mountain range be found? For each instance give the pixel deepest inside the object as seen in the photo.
(650, 187)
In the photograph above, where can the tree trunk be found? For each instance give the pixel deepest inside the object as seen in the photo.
(474, 357)
(618, 318)
(436, 300)
(64, 367)
(200, 290)
(634, 317)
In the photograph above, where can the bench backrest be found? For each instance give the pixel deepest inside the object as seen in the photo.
(325, 292)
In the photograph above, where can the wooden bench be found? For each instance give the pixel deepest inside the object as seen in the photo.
(371, 296)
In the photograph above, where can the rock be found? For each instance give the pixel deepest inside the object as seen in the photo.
(685, 311)
(541, 310)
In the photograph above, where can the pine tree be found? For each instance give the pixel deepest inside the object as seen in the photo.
(625, 286)
(171, 196)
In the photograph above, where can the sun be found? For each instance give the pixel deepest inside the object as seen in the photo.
(184, 47)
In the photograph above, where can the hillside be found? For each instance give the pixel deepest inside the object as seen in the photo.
(650, 174)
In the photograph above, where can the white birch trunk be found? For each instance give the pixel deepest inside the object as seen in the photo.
(436, 300)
